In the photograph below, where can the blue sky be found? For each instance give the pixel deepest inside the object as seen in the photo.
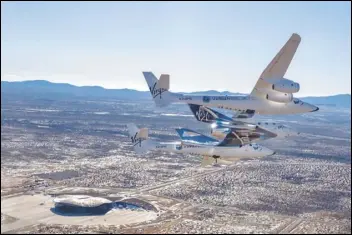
(202, 45)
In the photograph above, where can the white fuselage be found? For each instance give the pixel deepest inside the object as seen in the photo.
(224, 152)
(242, 103)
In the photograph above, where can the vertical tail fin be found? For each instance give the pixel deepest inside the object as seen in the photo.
(207, 115)
(139, 138)
(159, 89)
(203, 114)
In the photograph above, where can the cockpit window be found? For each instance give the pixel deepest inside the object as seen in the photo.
(297, 101)
(254, 146)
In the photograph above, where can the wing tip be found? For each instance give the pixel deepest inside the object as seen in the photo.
(296, 37)
(180, 131)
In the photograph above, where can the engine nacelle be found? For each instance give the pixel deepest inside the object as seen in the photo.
(280, 97)
(284, 85)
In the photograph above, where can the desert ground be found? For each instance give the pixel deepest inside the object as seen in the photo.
(81, 147)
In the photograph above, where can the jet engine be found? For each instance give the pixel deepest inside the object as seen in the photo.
(284, 85)
(280, 97)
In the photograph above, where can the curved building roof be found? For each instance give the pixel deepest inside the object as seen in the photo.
(81, 200)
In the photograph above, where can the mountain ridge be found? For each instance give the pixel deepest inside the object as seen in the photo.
(44, 88)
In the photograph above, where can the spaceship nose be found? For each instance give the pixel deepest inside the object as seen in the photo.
(270, 152)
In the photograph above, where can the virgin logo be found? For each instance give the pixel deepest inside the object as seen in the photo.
(156, 91)
(203, 115)
(136, 140)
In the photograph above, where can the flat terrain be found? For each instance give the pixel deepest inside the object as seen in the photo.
(82, 147)
(37, 209)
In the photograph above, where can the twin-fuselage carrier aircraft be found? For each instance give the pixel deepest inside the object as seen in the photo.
(234, 138)
(272, 94)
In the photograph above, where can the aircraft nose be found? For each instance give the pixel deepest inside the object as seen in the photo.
(314, 109)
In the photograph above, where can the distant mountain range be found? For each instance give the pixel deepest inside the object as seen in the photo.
(48, 90)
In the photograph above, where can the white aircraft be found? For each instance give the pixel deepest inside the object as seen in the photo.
(240, 132)
(272, 94)
(195, 143)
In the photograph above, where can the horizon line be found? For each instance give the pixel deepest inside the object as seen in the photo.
(148, 90)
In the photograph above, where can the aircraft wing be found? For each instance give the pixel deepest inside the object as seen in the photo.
(278, 66)
(194, 137)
